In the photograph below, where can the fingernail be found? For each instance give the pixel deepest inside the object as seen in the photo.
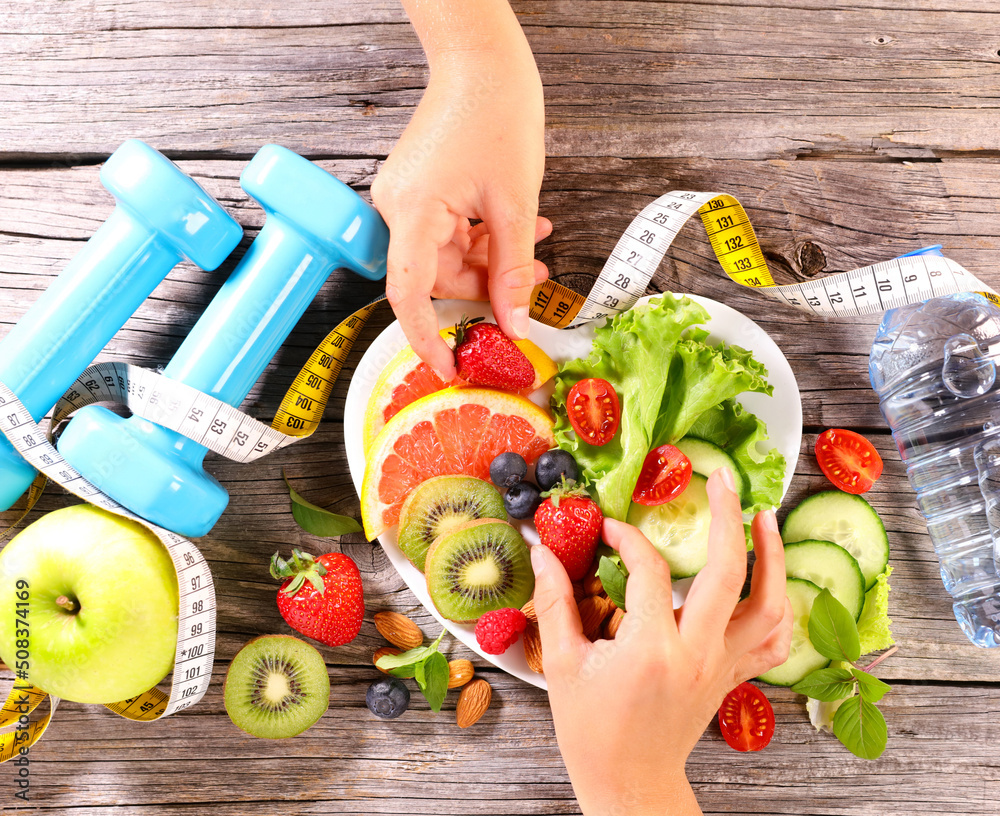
(519, 322)
(537, 559)
(727, 478)
(769, 521)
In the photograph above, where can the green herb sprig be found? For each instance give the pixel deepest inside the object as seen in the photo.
(858, 723)
(426, 665)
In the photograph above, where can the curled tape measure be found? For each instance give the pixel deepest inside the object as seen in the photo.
(235, 435)
(638, 253)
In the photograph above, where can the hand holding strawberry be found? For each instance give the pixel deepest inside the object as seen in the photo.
(322, 597)
(569, 524)
(485, 356)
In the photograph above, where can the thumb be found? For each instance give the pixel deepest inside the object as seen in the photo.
(558, 617)
(512, 268)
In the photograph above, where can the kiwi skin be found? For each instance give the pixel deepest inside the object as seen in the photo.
(437, 568)
(308, 687)
(442, 504)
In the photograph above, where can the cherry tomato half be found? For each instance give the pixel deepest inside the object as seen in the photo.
(665, 474)
(746, 718)
(848, 460)
(594, 410)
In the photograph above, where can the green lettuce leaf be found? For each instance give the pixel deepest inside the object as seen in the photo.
(633, 351)
(734, 429)
(702, 376)
(873, 625)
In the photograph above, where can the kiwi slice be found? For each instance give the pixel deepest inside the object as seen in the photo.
(277, 686)
(481, 566)
(440, 505)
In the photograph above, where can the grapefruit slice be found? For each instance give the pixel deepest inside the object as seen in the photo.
(407, 378)
(453, 431)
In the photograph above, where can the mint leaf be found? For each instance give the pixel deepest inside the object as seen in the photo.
(861, 727)
(316, 520)
(614, 576)
(870, 687)
(432, 677)
(404, 665)
(826, 685)
(832, 629)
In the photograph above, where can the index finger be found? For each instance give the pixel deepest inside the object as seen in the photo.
(411, 272)
(716, 589)
(649, 597)
(512, 269)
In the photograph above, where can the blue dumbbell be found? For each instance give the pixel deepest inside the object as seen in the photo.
(161, 217)
(315, 224)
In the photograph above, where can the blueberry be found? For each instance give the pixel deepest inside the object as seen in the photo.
(522, 500)
(552, 465)
(508, 469)
(387, 698)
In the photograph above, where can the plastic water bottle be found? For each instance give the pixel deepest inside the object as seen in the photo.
(933, 365)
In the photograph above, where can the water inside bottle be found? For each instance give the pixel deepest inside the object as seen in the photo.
(933, 367)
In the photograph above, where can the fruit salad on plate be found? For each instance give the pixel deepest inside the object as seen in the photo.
(538, 440)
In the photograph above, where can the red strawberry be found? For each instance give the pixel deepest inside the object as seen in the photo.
(322, 597)
(569, 524)
(486, 356)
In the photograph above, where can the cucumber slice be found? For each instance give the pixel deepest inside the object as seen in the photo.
(831, 567)
(706, 458)
(679, 528)
(802, 657)
(844, 519)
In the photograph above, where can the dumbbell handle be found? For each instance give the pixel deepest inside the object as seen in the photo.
(72, 321)
(82, 310)
(247, 321)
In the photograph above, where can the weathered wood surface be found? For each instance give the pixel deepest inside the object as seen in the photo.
(727, 97)
(755, 80)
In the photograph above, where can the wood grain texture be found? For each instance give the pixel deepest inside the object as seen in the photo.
(850, 133)
(763, 80)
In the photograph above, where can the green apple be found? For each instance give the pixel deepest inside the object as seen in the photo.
(101, 595)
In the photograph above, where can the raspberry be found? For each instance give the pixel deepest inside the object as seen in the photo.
(498, 631)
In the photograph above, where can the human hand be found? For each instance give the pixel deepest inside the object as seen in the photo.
(628, 711)
(473, 150)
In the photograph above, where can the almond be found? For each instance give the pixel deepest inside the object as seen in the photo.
(473, 702)
(578, 591)
(459, 672)
(529, 611)
(399, 630)
(592, 583)
(385, 650)
(612, 624)
(593, 611)
(533, 647)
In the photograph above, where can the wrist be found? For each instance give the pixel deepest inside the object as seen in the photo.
(466, 39)
(657, 795)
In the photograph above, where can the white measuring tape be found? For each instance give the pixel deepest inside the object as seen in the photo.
(640, 250)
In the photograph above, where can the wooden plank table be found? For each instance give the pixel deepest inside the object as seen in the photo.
(852, 132)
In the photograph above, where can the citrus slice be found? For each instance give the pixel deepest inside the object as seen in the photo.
(453, 431)
(407, 378)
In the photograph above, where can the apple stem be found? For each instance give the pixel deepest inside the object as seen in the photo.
(68, 604)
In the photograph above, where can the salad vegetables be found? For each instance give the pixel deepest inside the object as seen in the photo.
(671, 383)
